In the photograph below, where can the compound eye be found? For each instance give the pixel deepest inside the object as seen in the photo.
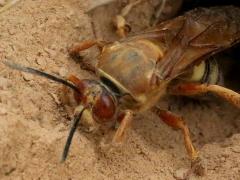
(104, 108)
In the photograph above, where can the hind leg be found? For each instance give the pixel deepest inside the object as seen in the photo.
(189, 89)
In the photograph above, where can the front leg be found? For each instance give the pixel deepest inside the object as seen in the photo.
(189, 89)
(124, 125)
(78, 47)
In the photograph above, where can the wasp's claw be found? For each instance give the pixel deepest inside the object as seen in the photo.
(197, 167)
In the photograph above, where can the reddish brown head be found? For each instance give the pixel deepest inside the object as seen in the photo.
(96, 104)
(96, 97)
(90, 94)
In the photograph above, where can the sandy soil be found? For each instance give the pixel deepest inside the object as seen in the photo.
(34, 123)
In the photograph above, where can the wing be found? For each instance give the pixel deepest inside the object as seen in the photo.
(195, 36)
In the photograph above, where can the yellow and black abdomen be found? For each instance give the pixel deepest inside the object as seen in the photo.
(206, 72)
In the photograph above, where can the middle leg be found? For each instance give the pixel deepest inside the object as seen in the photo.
(177, 122)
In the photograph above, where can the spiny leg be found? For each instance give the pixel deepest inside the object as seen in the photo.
(121, 130)
(177, 122)
(188, 89)
(119, 21)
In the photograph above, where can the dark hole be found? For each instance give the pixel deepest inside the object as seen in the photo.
(190, 4)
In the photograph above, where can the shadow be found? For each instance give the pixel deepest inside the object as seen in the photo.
(190, 4)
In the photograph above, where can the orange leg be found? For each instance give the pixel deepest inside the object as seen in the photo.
(124, 124)
(177, 122)
(77, 48)
(189, 89)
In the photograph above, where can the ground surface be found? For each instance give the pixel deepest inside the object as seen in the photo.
(34, 124)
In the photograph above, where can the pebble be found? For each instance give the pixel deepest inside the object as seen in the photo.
(41, 62)
(222, 159)
(63, 72)
(180, 173)
(55, 98)
(12, 31)
(51, 52)
(3, 111)
(3, 2)
(4, 83)
(70, 14)
(236, 149)
(27, 76)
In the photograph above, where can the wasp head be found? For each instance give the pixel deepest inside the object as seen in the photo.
(97, 105)
(100, 102)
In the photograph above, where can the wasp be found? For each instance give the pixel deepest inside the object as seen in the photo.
(134, 73)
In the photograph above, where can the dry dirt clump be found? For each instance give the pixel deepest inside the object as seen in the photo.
(34, 123)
